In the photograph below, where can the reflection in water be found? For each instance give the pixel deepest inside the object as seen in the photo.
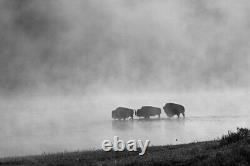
(148, 124)
(174, 123)
(122, 124)
(75, 124)
(41, 133)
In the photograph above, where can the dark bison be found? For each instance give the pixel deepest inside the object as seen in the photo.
(172, 109)
(122, 113)
(147, 111)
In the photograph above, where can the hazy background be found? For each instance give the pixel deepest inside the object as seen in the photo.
(64, 65)
(94, 46)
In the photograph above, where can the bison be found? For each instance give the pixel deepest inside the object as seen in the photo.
(147, 111)
(122, 113)
(172, 109)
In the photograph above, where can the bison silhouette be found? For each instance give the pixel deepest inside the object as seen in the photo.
(172, 109)
(147, 111)
(122, 113)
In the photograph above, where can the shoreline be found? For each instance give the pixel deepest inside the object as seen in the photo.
(231, 149)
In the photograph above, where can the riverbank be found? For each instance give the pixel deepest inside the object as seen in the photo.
(231, 149)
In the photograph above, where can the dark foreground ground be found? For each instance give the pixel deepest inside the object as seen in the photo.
(231, 149)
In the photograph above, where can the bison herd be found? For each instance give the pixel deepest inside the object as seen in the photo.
(170, 109)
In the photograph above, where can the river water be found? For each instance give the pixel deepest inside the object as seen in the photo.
(48, 126)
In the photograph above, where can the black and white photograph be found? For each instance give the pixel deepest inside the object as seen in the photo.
(124, 82)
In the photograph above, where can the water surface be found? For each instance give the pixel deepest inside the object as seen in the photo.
(54, 126)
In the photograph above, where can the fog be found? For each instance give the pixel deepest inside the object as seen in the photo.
(58, 124)
(64, 47)
(64, 65)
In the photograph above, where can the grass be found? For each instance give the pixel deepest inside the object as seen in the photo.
(231, 149)
(232, 137)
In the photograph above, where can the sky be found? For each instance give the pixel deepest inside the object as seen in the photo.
(96, 46)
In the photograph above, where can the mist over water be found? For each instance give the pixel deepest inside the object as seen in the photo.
(65, 65)
(79, 123)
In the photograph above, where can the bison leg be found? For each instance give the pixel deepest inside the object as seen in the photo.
(178, 116)
(183, 114)
(159, 115)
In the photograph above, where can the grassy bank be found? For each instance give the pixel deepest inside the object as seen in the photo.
(231, 149)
